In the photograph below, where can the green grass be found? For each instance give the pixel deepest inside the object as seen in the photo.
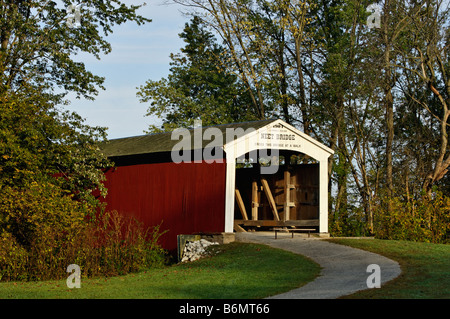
(425, 269)
(237, 271)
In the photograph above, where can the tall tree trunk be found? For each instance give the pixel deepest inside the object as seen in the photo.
(283, 80)
(389, 106)
(301, 86)
(388, 99)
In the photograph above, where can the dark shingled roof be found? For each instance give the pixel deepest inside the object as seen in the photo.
(162, 142)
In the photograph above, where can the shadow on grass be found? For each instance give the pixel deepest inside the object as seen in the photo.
(234, 271)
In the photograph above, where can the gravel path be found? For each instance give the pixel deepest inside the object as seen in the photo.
(344, 269)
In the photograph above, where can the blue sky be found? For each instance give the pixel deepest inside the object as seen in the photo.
(138, 53)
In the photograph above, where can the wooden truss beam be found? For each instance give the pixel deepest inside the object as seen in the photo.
(240, 203)
(270, 198)
(255, 200)
(287, 195)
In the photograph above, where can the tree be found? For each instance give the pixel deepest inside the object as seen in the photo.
(266, 42)
(199, 85)
(378, 97)
(46, 152)
(38, 46)
(425, 61)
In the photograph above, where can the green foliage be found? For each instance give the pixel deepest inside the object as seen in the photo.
(114, 245)
(108, 245)
(198, 87)
(40, 144)
(39, 47)
(235, 271)
(35, 225)
(50, 164)
(348, 221)
(30, 212)
(13, 258)
(424, 219)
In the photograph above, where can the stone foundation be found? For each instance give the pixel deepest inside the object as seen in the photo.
(219, 238)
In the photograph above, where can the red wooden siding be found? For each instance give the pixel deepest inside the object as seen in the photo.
(187, 197)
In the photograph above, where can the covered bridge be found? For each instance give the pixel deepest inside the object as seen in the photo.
(220, 179)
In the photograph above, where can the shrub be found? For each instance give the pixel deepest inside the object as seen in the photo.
(43, 230)
(423, 219)
(114, 244)
(13, 259)
(348, 222)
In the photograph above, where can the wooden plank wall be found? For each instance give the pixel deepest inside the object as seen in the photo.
(187, 197)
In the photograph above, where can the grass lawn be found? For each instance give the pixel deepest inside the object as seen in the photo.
(237, 271)
(425, 269)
